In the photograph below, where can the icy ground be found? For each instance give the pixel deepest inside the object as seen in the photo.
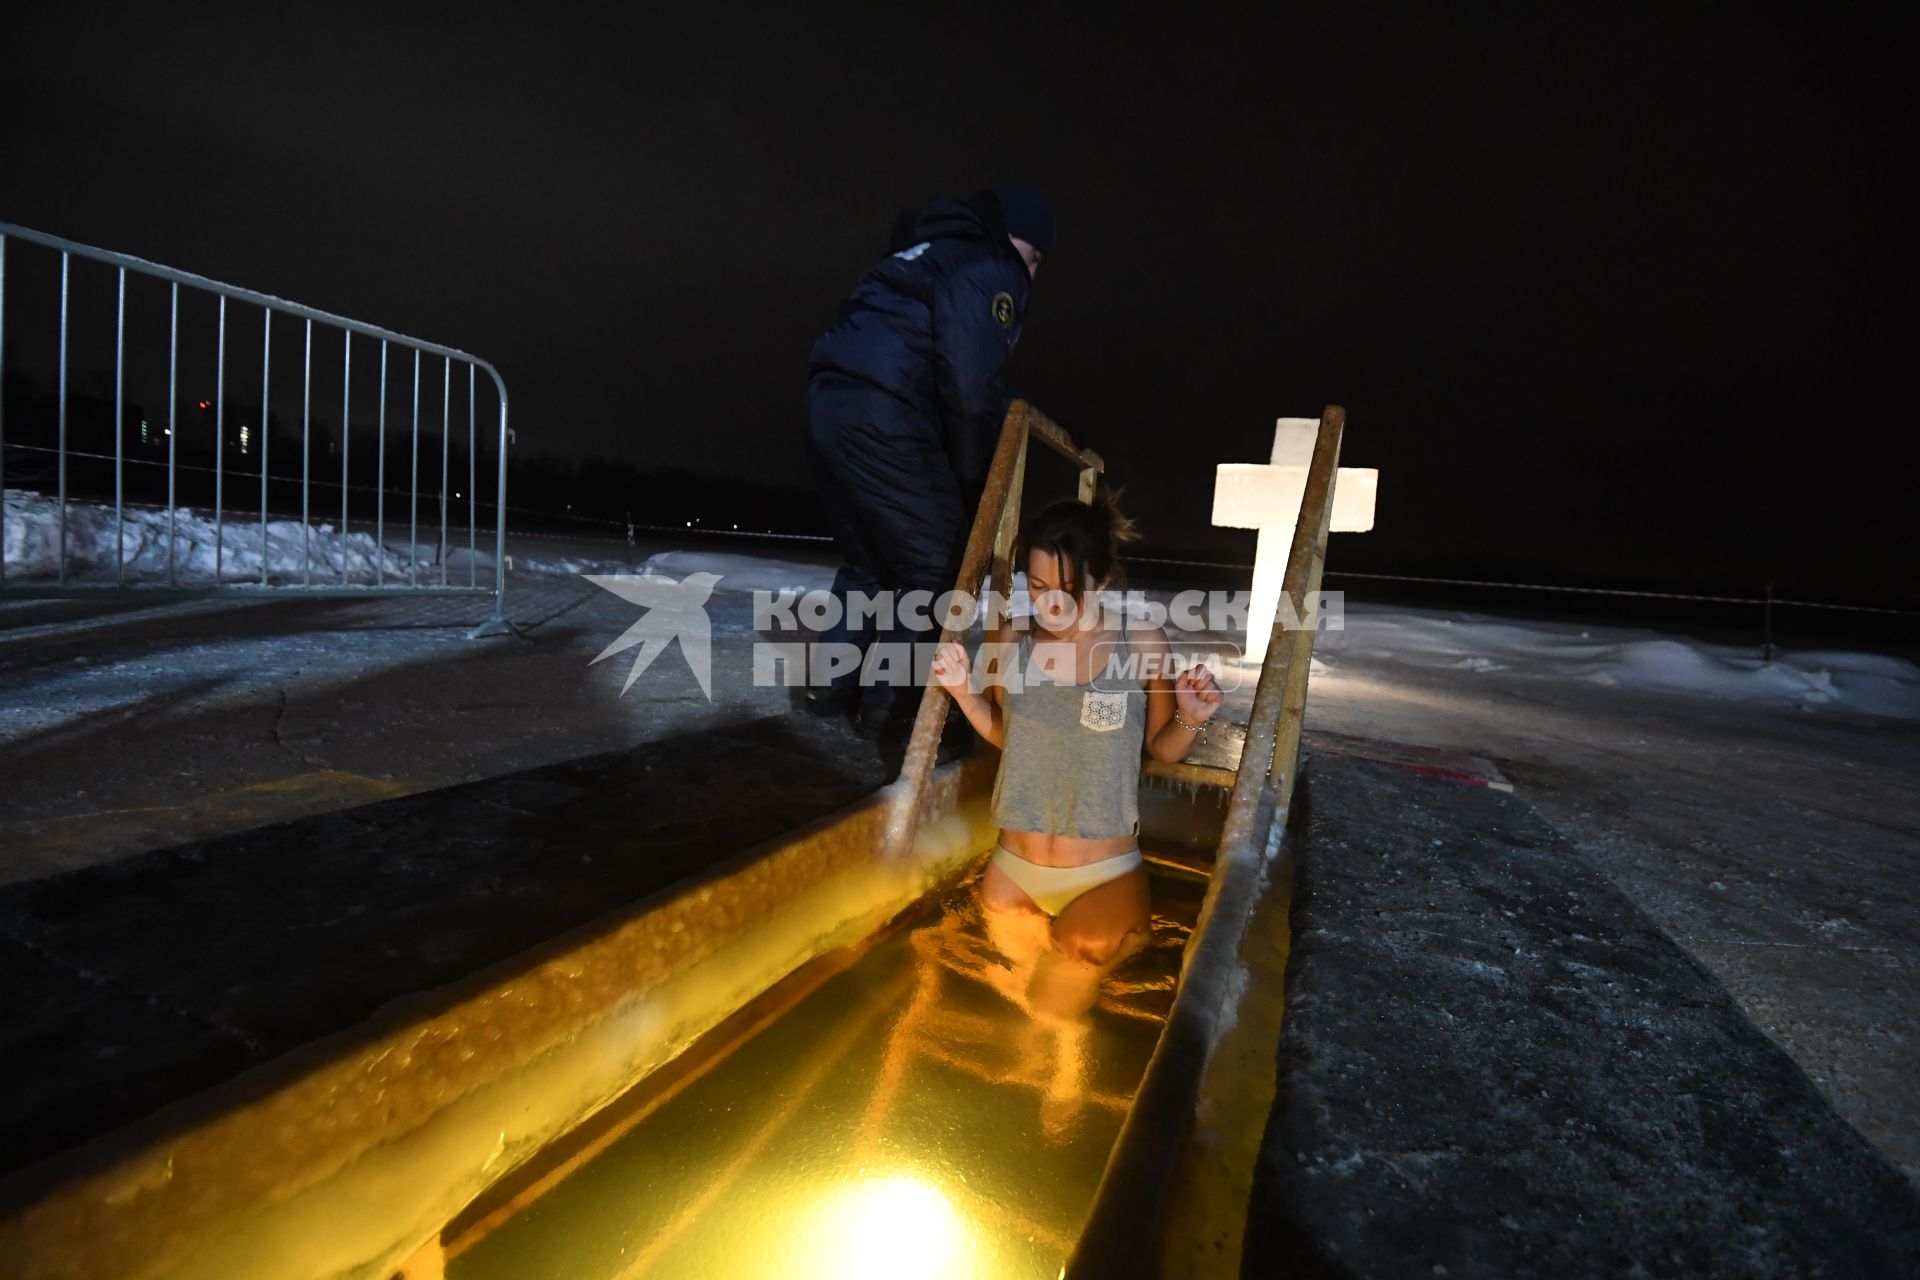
(1764, 814)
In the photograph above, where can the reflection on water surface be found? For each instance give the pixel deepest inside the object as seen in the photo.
(943, 1106)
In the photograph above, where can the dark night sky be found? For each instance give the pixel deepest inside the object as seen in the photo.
(1609, 296)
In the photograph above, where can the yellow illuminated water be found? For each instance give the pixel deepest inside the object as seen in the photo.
(941, 1108)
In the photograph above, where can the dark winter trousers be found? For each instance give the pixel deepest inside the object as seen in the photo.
(892, 503)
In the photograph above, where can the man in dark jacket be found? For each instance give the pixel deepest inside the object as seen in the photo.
(904, 408)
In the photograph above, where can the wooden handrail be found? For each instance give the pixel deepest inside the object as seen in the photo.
(988, 546)
(1173, 1199)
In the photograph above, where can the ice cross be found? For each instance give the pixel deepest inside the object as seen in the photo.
(1250, 495)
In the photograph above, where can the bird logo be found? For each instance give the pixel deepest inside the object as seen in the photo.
(675, 610)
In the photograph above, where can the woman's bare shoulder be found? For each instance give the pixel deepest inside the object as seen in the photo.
(1147, 636)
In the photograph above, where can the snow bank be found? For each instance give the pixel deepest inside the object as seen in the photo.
(736, 572)
(32, 533)
(1628, 659)
(522, 562)
(742, 572)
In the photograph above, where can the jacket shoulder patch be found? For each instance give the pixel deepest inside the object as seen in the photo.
(1003, 311)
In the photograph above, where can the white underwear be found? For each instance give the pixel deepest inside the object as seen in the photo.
(1052, 888)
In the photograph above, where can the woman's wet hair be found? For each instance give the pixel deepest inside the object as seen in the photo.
(1084, 538)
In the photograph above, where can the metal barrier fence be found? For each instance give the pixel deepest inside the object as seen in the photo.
(13, 586)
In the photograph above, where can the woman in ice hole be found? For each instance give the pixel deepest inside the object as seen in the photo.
(1070, 695)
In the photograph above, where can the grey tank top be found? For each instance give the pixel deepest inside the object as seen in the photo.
(1071, 763)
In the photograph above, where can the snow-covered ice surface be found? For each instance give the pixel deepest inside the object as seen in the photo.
(1628, 659)
(1765, 816)
(288, 547)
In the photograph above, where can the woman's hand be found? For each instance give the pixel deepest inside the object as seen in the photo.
(951, 668)
(1197, 695)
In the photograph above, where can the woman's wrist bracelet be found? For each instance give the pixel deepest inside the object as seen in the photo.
(1190, 728)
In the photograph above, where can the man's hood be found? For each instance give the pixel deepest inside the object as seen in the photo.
(947, 217)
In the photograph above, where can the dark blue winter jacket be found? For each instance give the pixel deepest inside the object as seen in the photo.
(933, 324)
